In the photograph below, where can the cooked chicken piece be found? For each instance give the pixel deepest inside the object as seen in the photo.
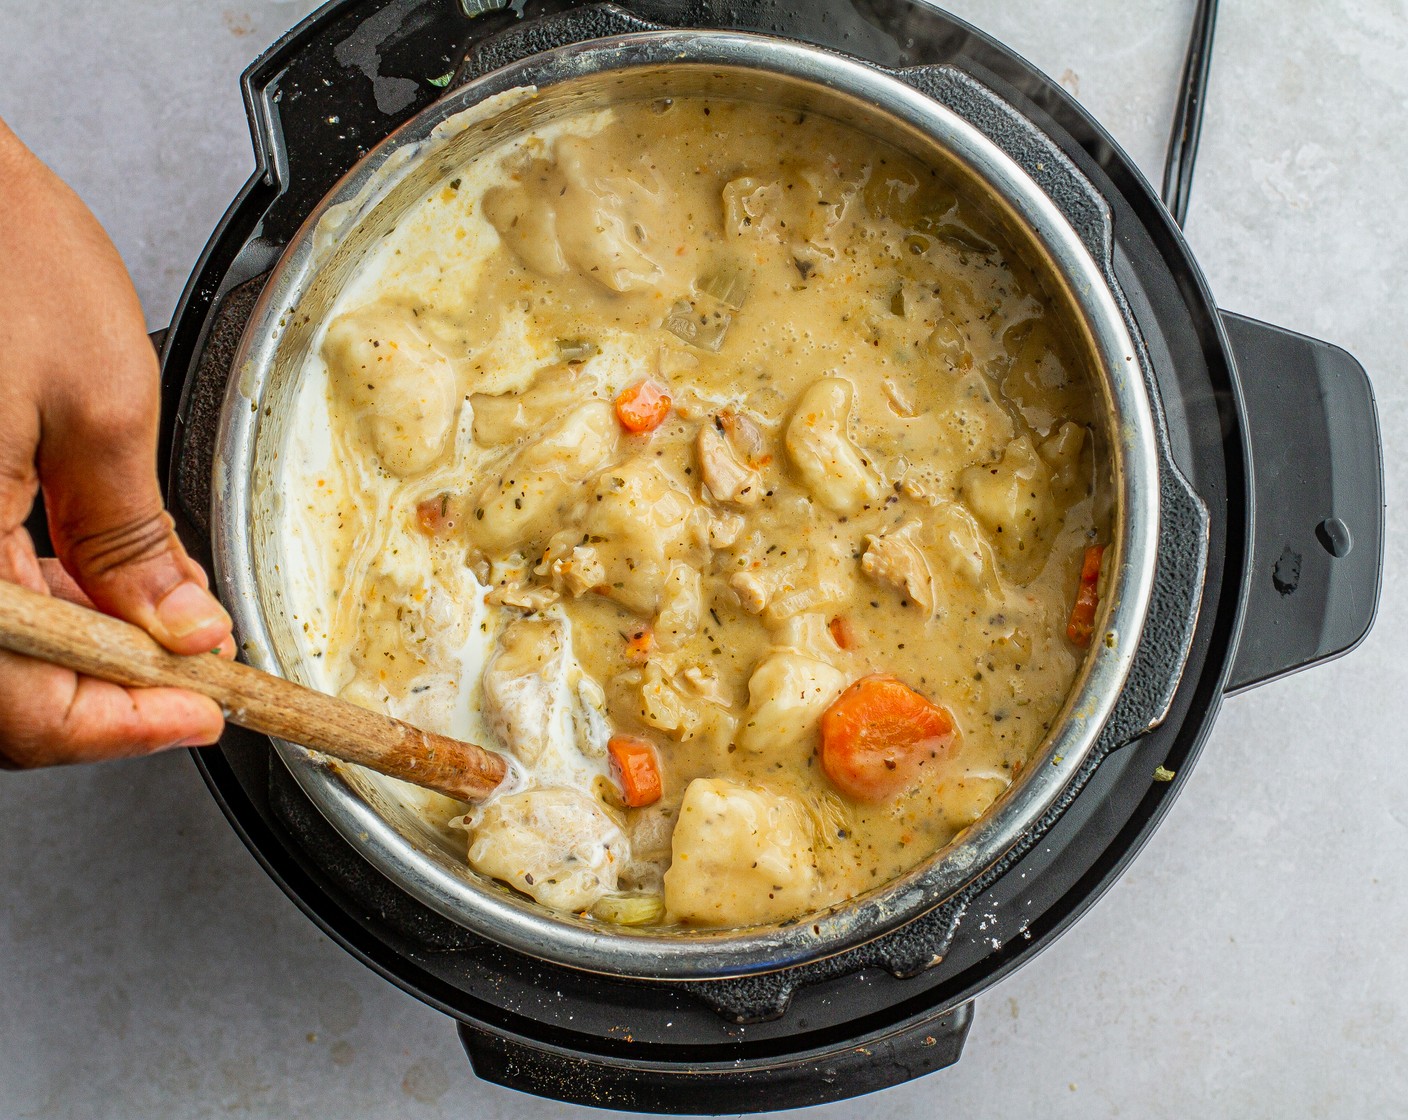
(535, 705)
(398, 388)
(752, 590)
(558, 846)
(740, 856)
(578, 572)
(664, 707)
(705, 684)
(819, 577)
(523, 596)
(786, 695)
(649, 832)
(523, 505)
(719, 530)
(896, 557)
(727, 477)
(1012, 500)
(831, 466)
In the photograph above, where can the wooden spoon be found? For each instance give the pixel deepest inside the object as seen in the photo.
(102, 646)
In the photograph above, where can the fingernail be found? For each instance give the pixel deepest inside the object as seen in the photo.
(188, 608)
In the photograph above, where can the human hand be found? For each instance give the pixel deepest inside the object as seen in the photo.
(78, 418)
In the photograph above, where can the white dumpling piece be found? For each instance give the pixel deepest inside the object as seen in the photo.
(1012, 500)
(397, 387)
(741, 856)
(558, 846)
(831, 466)
(535, 705)
(786, 695)
(524, 505)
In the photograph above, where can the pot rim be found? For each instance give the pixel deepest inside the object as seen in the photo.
(520, 924)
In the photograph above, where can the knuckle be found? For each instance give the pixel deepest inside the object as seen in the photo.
(142, 537)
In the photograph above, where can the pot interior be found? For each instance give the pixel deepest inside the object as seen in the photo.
(384, 818)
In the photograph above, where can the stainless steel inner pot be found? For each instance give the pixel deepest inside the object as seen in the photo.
(371, 199)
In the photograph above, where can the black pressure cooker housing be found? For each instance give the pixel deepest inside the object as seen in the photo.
(1276, 434)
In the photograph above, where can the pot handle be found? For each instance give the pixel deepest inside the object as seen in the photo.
(1318, 521)
(638, 1082)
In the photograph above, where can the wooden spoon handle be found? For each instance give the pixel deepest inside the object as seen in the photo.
(101, 646)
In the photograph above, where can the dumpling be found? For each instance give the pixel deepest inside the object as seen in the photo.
(786, 695)
(1012, 500)
(522, 506)
(558, 846)
(831, 466)
(741, 856)
(398, 388)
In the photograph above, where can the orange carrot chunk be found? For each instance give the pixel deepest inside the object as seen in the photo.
(643, 407)
(1082, 623)
(876, 736)
(639, 643)
(841, 632)
(434, 516)
(636, 768)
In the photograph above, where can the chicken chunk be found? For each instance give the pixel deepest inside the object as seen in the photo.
(741, 856)
(821, 577)
(838, 475)
(730, 451)
(786, 695)
(398, 388)
(897, 558)
(557, 846)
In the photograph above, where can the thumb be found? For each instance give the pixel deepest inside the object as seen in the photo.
(113, 534)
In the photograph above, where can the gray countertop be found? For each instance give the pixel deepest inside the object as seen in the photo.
(1248, 965)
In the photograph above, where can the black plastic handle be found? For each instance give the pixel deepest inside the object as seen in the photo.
(1318, 481)
(758, 1084)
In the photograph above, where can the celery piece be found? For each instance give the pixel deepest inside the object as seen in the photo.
(629, 909)
(704, 329)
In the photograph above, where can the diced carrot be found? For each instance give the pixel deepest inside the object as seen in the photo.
(1082, 623)
(841, 632)
(877, 735)
(639, 643)
(636, 767)
(643, 407)
(433, 515)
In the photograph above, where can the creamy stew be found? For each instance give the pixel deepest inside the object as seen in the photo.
(723, 467)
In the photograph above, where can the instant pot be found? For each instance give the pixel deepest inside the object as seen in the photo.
(1252, 547)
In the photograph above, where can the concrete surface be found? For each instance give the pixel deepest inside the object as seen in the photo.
(1249, 965)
